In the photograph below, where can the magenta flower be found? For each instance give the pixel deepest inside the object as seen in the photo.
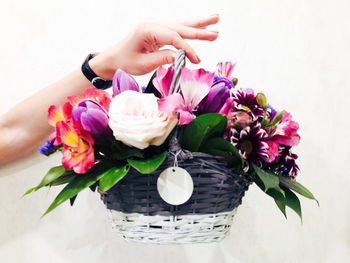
(245, 100)
(162, 80)
(122, 81)
(93, 118)
(250, 142)
(284, 133)
(195, 85)
(286, 159)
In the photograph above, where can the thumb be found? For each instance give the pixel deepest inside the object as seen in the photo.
(159, 58)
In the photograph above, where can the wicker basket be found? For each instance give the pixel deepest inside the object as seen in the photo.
(139, 214)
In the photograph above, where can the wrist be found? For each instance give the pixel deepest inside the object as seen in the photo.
(102, 65)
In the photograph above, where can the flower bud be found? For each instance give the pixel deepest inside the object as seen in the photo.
(235, 81)
(261, 100)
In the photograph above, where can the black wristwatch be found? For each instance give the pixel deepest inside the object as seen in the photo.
(95, 80)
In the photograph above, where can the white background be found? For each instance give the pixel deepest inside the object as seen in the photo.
(296, 52)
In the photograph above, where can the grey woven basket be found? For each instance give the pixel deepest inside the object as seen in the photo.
(139, 214)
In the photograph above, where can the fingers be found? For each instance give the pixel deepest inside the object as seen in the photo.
(156, 59)
(195, 33)
(165, 36)
(203, 22)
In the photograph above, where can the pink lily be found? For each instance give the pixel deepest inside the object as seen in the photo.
(195, 86)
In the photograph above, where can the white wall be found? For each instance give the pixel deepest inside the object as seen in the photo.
(296, 52)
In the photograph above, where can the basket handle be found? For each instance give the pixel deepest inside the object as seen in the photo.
(180, 60)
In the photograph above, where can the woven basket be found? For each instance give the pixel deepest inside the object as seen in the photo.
(139, 214)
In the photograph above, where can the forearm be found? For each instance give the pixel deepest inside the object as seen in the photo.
(24, 127)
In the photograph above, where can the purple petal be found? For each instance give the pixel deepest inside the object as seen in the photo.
(122, 81)
(96, 123)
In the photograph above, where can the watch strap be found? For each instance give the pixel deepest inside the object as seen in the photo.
(95, 80)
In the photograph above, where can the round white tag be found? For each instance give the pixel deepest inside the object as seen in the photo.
(175, 185)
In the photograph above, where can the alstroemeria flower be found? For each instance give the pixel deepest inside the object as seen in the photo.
(122, 81)
(78, 152)
(57, 114)
(283, 133)
(162, 80)
(225, 70)
(93, 118)
(195, 85)
(100, 96)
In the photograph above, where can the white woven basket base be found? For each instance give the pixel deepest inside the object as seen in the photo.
(182, 229)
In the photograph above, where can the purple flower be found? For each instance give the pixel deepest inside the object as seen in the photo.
(122, 81)
(229, 82)
(287, 160)
(48, 148)
(250, 143)
(217, 96)
(272, 111)
(93, 117)
(246, 100)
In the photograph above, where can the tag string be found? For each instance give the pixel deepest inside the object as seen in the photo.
(176, 163)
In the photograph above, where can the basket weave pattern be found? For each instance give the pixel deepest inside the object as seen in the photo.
(216, 188)
(183, 229)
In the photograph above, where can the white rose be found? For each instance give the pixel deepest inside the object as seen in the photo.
(136, 121)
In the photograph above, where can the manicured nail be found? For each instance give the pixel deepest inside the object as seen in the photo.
(198, 59)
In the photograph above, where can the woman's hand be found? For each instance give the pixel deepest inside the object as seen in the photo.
(140, 52)
(137, 54)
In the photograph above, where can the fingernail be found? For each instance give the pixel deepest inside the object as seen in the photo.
(198, 59)
(217, 32)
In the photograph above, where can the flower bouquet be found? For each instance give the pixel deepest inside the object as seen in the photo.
(192, 126)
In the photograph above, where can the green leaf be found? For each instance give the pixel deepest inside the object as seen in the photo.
(72, 200)
(297, 187)
(220, 147)
(282, 207)
(64, 179)
(270, 180)
(79, 183)
(277, 118)
(51, 175)
(29, 191)
(288, 199)
(202, 128)
(93, 187)
(292, 201)
(149, 165)
(113, 176)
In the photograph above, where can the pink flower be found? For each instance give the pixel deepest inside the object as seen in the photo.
(136, 120)
(195, 86)
(284, 133)
(163, 79)
(100, 96)
(225, 70)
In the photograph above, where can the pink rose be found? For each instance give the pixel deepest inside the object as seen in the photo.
(136, 121)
